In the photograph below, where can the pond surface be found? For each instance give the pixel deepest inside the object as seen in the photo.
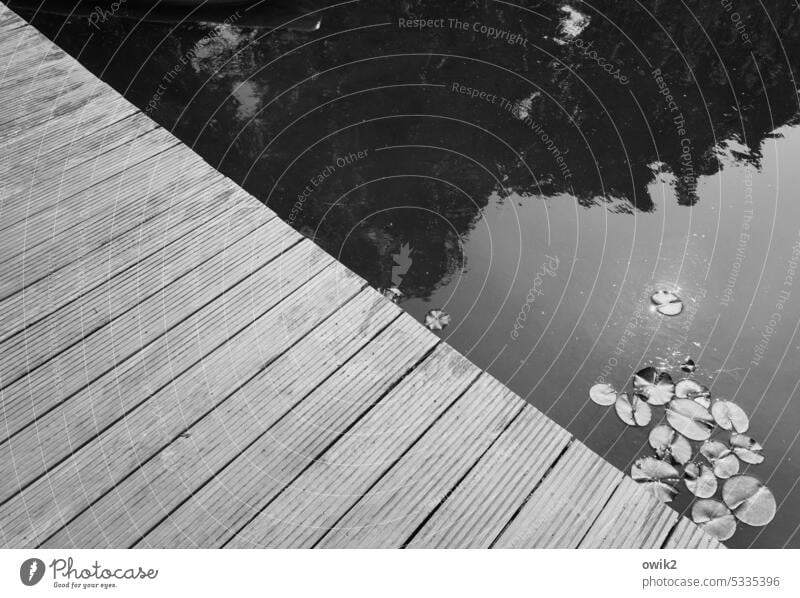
(535, 169)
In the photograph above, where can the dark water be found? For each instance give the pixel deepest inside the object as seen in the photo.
(567, 187)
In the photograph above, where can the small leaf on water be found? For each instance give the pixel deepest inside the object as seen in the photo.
(747, 449)
(656, 387)
(603, 394)
(689, 389)
(659, 477)
(688, 366)
(393, 294)
(634, 412)
(722, 459)
(730, 416)
(436, 319)
(669, 444)
(690, 419)
(750, 500)
(700, 480)
(703, 401)
(667, 303)
(714, 518)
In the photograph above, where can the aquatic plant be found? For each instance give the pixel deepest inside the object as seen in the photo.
(667, 303)
(436, 319)
(603, 394)
(715, 518)
(690, 416)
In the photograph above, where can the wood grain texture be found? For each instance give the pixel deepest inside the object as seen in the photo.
(687, 535)
(238, 493)
(479, 508)
(160, 485)
(393, 508)
(313, 503)
(141, 402)
(633, 518)
(563, 508)
(166, 288)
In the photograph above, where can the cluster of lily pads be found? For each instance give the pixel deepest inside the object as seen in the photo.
(691, 415)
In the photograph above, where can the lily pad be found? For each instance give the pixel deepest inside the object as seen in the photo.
(436, 319)
(656, 387)
(667, 443)
(690, 389)
(667, 303)
(747, 449)
(721, 457)
(730, 416)
(700, 480)
(688, 366)
(634, 412)
(690, 419)
(750, 500)
(603, 394)
(658, 476)
(393, 294)
(714, 518)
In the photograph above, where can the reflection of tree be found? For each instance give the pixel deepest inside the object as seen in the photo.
(615, 138)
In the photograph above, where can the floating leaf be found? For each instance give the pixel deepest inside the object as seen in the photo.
(669, 444)
(689, 389)
(700, 480)
(750, 500)
(603, 394)
(688, 366)
(656, 387)
(703, 401)
(690, 419)
(659, 477)
(714, 518)
(722, 459)
(747, 449)
(436, 319)
(667, 303)
(634, 412)
(730, 416)
(393, 294)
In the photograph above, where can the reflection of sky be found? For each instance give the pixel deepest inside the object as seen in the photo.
(248, 94)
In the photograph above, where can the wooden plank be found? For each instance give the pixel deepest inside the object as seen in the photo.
(242, 332)
(87, 413)
(687, 535)
(237, 494)
(137, 504)
(56, 238)
(57, 192)
(68, 281)
(387, 515)
(633, 518)
(29, 55)
(159, 293)
(478, 510)
(563, 508)
(53, 97)
(56, 155)
(318, 498)
(103, 111)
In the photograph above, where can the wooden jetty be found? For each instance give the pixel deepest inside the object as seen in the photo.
(179, 368)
